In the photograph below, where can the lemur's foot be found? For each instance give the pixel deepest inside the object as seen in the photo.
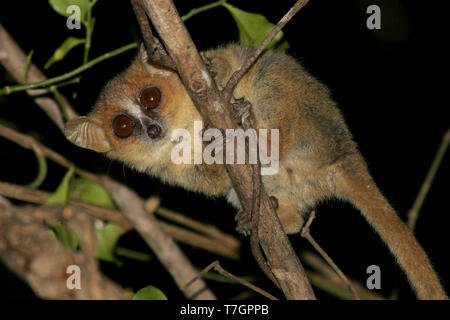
(212, 70)
(244, 223)
(241, 111)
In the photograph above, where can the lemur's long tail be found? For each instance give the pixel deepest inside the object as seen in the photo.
(364, 194)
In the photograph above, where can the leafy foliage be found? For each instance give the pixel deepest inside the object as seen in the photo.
(108, 237)
(88, 191)
(63, 50)
(61, 195)
(149, 293)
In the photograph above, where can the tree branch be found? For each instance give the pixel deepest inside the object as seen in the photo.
(216, 266)
(148, 227)
(216, 111)
(307, 235)
(155, 51)
(29, 249)
(327, 280)
(162, 245)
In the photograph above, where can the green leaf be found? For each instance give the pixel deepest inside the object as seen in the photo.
(283, 46)
(149, 293)
(108, 237)
(63, 50)
(253, 27)
(88, 191)
(67, 237)
(61, 6)
(61, 195)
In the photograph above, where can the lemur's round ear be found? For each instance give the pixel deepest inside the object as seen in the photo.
(151, 68)
(87, 133)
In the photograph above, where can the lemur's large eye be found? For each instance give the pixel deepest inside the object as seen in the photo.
(150, 97)
(123, 126)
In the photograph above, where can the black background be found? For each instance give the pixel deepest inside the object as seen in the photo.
(389, 84)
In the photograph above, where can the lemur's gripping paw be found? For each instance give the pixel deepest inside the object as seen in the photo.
(244, 223)
(212, 70)
(241, 111)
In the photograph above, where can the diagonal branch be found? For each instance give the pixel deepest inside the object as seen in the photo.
(155, 51)
(215, 110)
(307, 235)
(216, 266)
(161, 243)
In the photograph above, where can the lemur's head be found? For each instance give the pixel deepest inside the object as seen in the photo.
(135, 114)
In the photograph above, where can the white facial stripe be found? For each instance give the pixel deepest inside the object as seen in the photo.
(131, 108)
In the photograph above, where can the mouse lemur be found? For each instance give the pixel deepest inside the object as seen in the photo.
(138, 110)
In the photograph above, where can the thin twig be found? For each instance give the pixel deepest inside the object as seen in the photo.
(307, 235)
(339, 289)
(88, 26)
(155, 51)
(327, 280)
(215, 241)
(68, 75)
(199, 241)
(206, 229)
(217, 267)
(196, 11)
(413, 213)
(239, 73)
